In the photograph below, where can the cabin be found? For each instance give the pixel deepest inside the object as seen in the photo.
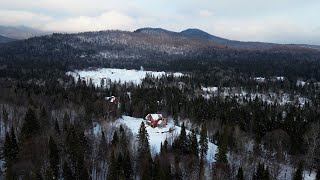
(112, 99)
(156, 120)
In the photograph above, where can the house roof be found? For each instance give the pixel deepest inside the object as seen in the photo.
(154, 116)
(111, 99)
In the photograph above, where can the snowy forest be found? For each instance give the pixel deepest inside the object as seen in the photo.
(232, 113)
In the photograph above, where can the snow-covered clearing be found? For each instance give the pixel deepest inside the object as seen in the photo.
(158, 135)
(123, 75)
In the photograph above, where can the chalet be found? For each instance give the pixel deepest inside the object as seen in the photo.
(156, 120)
(112, 99)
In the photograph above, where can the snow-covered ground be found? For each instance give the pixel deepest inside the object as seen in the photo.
(123, 75)
(158, 135)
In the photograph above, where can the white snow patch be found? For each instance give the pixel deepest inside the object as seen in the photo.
(112, 74)
(301, 83)
(260, 79)
(158, 135)
(97, 130)
(307, 176)
(280, 78)
(209, 89)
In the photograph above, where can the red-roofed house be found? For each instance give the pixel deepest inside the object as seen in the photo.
(156, 120)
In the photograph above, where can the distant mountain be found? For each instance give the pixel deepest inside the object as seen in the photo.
(204, 36)
(20, 32)
(4, 39)
(197, 33)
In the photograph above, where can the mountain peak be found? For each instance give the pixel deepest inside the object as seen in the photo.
(153, 31)
(193, 30)
(200, 34)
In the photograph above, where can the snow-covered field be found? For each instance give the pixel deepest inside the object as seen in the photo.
(158, 135)
(123, 75)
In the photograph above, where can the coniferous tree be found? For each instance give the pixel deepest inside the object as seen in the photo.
(156, 168)
(144, 154)
(115, 139)
(30, 126)
(56, 127)
(120, 168)
(177, 173)
(193, 144)
(49, 174)
(165, 146)
(318, 174)
(203, 141)
(8, 157)
(54, 157)
(14, 145)
(240, 174)
(182, 143)
(38, 175)
(7, 150)
(127, 166)
(103, 147)
(222, 148)
(112, 171)
(67, 172)
(298, 173)
(262, 173)
(221, 167)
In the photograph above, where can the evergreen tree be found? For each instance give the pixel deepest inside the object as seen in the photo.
(120, 167)
(84, 174)
(54, 157)
(77, 145)
(123, 138)
(182, 143)
(156, 168)
(30, 126)
(165, 146)
(193, 144)
(14, 145)
(9, 175)
(112, 171)
(56, 127)
(298, 173)
(38, 174)
(203, 141)
(262, 173)
(144, 154)
(67, 172)
(318, 174)
(103, 147)
(7, 153)
(178, 173)
(240, 174)
(49, 174)
(222, 148)
(10, 151)
(127, 166)
(115, 139)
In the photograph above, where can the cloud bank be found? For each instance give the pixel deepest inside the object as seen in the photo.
(281, 21)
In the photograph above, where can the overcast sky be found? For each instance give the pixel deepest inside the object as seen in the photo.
(282, 21)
